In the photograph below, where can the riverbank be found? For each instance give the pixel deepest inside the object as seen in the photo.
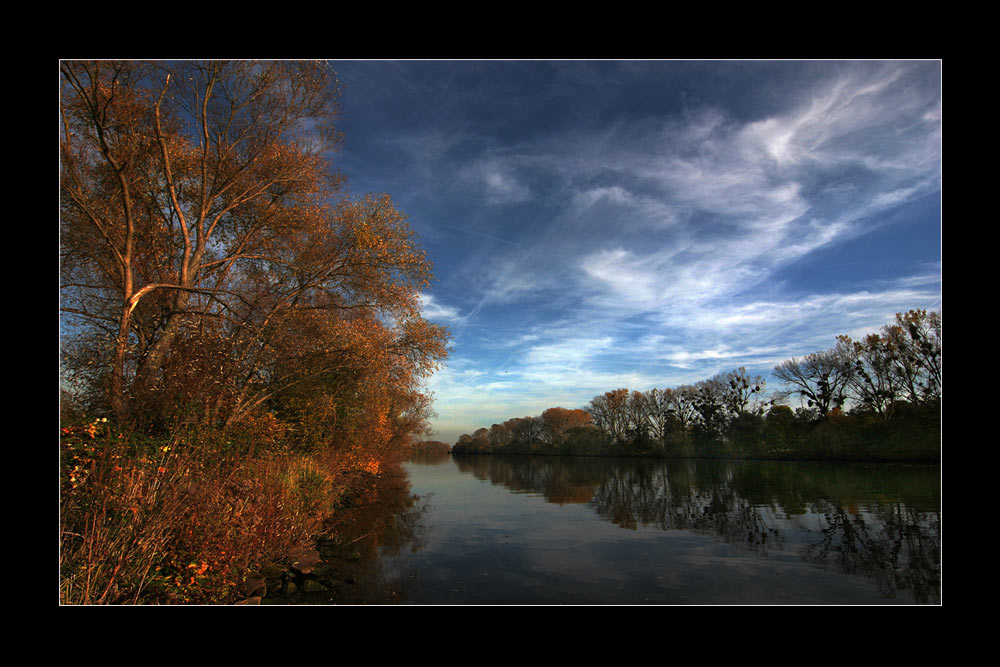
(157, 522)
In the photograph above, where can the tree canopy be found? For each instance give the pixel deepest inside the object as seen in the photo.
(213, 263)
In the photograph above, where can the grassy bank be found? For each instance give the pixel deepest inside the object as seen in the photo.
(167, 522)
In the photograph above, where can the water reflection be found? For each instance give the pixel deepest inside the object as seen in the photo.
(777, 521)
(378, 523)
(429, 456)
(880, 521)
(896, 546)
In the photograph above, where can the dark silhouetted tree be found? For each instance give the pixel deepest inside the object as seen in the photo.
(820, 378)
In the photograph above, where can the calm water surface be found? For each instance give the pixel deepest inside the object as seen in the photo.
(566, 530)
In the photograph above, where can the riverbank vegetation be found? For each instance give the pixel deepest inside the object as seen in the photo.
(241, 338)
(878, 398)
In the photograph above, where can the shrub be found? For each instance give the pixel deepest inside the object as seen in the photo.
(179, 523)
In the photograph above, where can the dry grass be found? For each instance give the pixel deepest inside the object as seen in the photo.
(180, 524)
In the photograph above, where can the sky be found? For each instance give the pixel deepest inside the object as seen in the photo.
(596, 225)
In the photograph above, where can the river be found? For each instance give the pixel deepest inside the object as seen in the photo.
(501, 530)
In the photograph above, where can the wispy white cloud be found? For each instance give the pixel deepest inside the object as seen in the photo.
(646, 250)
(570, 352)
(502, 185)
(741, 200)
(432, 310)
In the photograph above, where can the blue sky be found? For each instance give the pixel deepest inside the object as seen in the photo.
(604, 224)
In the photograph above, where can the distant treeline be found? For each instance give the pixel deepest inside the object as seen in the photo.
(876, 398)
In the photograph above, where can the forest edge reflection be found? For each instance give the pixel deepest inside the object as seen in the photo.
(879, 521)
(893, 537)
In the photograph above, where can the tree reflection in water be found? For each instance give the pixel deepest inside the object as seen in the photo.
(879, 521)
(382, 521)
(895, 545)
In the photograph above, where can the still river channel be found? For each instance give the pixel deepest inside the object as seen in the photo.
(499, 530)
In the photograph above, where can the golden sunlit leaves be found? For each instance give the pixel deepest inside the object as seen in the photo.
(226, 298)
(202, 220)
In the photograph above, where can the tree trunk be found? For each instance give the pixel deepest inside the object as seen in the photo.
(118, 404)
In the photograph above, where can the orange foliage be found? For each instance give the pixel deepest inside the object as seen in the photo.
(559, 420)
(251, 303)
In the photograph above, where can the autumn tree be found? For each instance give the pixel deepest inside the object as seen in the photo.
(902, 362)
(481, 438)
(556, 421)
(914, 342)
(609, 412)
(209, 255)
(499, 435)
(524, 431)
(873, 382)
